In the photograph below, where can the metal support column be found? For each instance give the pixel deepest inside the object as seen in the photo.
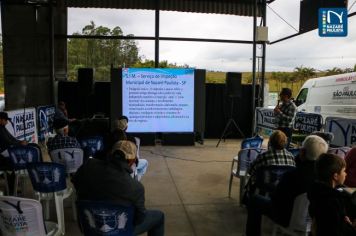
(264, 15)
(51, 49)
(157, 34)
(254, 67)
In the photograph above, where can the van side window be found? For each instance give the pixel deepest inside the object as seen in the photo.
(302, 97)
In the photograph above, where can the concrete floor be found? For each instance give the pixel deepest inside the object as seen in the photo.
(190, 185)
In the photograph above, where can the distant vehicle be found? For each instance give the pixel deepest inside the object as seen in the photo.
(2, 102)
(329, 96)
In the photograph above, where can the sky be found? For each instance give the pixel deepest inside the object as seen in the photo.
(308, 50)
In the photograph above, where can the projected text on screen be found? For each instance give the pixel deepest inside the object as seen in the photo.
(158, 100)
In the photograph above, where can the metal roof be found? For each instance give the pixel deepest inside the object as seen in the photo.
(231, 7)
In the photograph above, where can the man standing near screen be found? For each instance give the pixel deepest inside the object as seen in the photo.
(285, 113)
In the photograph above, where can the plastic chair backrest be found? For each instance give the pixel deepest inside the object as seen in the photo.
(47, 177)
(21, 216)
(254, 142)
(21, 155)
(71, 158)
(340, 151)
(267, 177)
(295, 151)
(246, 157)
(300, 219)
(91, 145)
(103, 218)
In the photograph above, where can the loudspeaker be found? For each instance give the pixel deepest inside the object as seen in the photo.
(86, 80)
(309, 10)
(233, 84)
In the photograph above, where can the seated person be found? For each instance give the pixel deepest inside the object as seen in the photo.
(292, 184)
(111, 180)
(118, 133)
(6, 139)
(276, 154)
(61, 140)
(350, 160)
(330, 208)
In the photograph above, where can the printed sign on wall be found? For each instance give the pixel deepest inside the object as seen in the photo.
(307, 123)
(45, 121)
(344, 130)
(23, 124)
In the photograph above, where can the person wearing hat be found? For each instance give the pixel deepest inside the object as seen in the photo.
(119, 133)
(61, 140)
(285, 113)
(6, 139)
(110, 180)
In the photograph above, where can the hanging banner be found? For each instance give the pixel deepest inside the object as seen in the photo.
(45, 116)
(23, 124)
(266, 122)
(344, 130)
(307, 123)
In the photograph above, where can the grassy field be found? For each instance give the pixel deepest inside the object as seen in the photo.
(274, 85)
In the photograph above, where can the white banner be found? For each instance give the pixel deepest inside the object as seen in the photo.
(23, 122)
(344, 130)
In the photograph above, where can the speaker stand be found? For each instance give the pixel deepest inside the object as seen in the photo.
(230, 121)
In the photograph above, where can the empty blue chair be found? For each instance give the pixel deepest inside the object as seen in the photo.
(49, 181)
(243, 159)
(104, 218)
(254, 142)
(91, 145)
(20, 156)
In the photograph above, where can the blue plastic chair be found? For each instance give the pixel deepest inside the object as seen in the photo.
(91, 145)
(20, 156)
(243, 160)
(340, 151)
(103, 218)
(49, 181)
(254, 142)
(268, 177)
(295, 151)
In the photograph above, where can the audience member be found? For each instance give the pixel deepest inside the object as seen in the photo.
(292, 184)
(350, 160)
(6, 139)
(285, 113)
(329, 207)
(61, 140)
(111, 180)
(277, 154)
(119, 133)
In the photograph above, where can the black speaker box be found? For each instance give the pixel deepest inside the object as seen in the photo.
(86, 80)
(233, 84)
(178, 139)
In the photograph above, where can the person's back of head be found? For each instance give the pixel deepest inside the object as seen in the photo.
(330, 169)
(128, 148)
(278, 140)
(313, 147)
(61, 126)
(121, 123)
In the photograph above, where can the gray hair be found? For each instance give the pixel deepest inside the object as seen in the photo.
(314, 146)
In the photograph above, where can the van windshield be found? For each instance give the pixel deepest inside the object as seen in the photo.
(302, 97)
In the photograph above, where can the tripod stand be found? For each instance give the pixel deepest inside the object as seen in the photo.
(230, 121)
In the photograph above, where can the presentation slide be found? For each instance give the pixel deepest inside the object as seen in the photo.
(158, 99)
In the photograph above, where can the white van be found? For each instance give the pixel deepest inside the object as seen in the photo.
(329, 96)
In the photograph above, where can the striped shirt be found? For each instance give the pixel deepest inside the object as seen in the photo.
(286, 117)
(272, 158)
(61, 141)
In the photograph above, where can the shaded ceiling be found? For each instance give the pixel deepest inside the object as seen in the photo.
(231, 7)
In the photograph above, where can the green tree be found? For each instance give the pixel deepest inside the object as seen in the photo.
(334, 71)
(100, 54)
